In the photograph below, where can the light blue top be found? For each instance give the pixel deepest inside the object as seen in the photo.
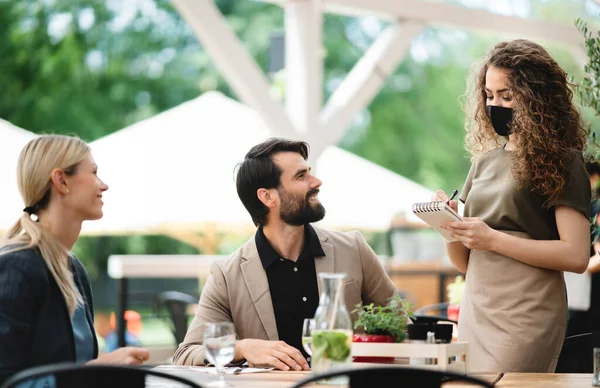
(82, 333)
(41, 382)
(84, 349)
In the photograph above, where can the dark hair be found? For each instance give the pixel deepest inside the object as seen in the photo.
(592, 167)
(259, 171)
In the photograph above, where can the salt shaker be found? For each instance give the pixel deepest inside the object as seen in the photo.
(430, 340)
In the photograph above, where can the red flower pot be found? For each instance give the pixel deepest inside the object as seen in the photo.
(453, 310)
(373, 338)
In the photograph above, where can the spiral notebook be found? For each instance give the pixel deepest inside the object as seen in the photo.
(435, 214)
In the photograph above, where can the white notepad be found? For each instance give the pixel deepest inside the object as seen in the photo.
(435, 214)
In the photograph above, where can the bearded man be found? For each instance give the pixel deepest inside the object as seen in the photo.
(269, 285)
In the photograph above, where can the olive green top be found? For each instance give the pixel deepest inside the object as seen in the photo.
(492, 194)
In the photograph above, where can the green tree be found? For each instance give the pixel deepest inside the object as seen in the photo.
(590, 86)
(90, 67)
(76, 67)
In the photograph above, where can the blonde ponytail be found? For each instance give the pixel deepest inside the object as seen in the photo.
(39, 157)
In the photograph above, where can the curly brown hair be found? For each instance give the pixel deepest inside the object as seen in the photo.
(547, 125)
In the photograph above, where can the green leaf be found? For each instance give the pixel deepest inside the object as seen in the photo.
(391, 319)
(330, 344)
(588, 88)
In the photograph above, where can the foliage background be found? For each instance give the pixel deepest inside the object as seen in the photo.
(89, 68)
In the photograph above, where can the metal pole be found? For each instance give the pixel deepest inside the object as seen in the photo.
(121, 308)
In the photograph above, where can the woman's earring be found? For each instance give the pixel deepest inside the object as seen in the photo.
(67, 191)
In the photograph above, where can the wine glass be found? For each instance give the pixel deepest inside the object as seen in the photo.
(307, 329)
(219, 344)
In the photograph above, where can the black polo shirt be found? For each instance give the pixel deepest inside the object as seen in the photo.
(293, 285)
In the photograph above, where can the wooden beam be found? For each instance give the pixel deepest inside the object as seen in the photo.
(304, 63)
(235, 63)
(365, 80)
(443, 14)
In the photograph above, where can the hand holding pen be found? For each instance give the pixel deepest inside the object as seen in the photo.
(440, 195)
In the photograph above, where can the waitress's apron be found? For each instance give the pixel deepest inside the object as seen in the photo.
(513, 315)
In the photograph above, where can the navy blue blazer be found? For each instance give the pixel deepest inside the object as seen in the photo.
(35, 326)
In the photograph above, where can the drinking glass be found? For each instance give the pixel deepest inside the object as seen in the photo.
(219, 344)
(596, 375)
(307, 328)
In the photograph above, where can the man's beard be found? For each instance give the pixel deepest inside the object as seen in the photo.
(298, 213)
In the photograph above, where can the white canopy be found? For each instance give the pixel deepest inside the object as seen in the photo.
(12, 140)
(176, 171)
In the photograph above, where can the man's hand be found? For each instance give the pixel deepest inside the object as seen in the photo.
(124, 356)
(273, 353)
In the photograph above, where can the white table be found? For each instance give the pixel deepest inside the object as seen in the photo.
(279, 379)
(124, 267)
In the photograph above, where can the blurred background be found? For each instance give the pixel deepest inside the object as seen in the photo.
(166, 127)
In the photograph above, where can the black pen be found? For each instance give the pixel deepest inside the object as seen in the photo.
(500, 376)
(452, 196)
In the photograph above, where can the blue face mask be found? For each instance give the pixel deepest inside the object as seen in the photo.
(501, 119)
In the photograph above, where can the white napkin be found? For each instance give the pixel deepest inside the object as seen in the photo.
(230, 370)
(579, 290)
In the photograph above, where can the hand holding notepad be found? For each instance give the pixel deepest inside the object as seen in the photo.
(437, 213)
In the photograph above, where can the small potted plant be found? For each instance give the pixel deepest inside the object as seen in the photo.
(381, 324)
(455, 292)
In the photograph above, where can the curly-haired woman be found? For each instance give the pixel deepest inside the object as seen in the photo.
(527, 203)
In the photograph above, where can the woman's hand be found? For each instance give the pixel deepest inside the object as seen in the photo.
(441, 195)
(128, 355)
(458, 253)
(472, 232)
(594, 264)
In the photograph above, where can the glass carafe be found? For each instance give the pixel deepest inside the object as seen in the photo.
(332, 333)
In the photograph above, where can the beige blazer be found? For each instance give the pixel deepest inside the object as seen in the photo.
(237, 289)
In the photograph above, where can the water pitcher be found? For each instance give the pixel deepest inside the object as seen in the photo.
(332, 334)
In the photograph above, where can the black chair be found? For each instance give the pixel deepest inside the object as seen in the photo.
(176, 303)
(69, 375)
(441, 309)
(432, 319)
(576, 355)
(394, 377)
(424, 314)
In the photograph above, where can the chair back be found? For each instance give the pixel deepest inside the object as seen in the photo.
(68, 375)
(176, 304)
(392, 377)
(576, 355)
(440, 309)
(432, 319)
(433, 313)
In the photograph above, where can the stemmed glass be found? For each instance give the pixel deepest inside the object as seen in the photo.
(219, 344)
(307, 329)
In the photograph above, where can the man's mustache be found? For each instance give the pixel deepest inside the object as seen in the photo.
(312, 192)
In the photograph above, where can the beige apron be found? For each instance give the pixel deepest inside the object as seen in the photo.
(513, 315)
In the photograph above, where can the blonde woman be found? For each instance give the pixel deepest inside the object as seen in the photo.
(46, 305)
(527, 205)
